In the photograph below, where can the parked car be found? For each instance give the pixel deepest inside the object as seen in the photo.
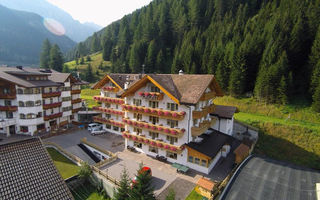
(93, 126)
(146, 170)
(98, 131)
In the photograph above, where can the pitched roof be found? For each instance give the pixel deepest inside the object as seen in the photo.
(186, 89)
(263, 178)
(119, 79)
(205, 183)
(212, 142)
(27, 172)
(226, 112)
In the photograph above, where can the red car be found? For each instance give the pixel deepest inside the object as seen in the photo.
(146, 170)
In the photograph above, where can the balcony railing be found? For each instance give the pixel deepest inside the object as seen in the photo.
(51, 105)
(203, 126)
(53, 116)
(109, 100)
(151, 95)
(158, 128)
(76, 101)
(8, 96)
(154, 143)
(167, 114)
(75, 110)
(204, 112)
(8, 108)
(109, 111)
(110, 89)
(207, 96)
(108, 121)
(75, 91)
(51, 94)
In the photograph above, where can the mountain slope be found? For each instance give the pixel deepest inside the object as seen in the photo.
(21, 37)
(267, 48)
(74, 29)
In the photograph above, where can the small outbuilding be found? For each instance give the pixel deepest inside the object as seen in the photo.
(204, 187)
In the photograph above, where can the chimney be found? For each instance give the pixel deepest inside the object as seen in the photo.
(181, 72)
(78, 74)
(126, 84)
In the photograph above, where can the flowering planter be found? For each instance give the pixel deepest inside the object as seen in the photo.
(141, 94)
(141, 125)
(173, 148)
(141, 109)
(153, 128)
(160, 113)
(182, 113)
(166, 130)
(135, 123)
(183, 130)
(173, 132)
(146, 94)
(147, 110)
(160, 128)
(159, 145)
(166, 113)
(166, 146)
(134, 108)
(154, 111)
(152, 143)
(146, 126)
(174, 114)
(146, 141)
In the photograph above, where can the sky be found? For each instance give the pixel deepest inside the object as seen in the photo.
(101, 12)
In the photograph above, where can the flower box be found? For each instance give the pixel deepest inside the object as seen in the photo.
(160, 128)
(134, 108)
(147, 141)
(182, 113)
(166, 146)
(166, 113)
(174, 114)
(173, 131)
(173, 148)
(153, 127)
(159, 145)
(141, 125)
(146, 94)
(141, 93)
(183, 130)
(160, 113)
(135, 123)
(146, 126)
(147, 110)
(166, 130)
(152, 143)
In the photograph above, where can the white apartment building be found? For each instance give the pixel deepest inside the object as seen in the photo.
(166, 115)
(33, 100)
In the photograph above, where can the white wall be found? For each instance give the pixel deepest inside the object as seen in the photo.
(226, 125)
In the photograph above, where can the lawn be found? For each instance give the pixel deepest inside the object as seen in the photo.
(65, 167)
(194, 196)
(87, 192)
(87, 95)
(99, 66)
(290, 133)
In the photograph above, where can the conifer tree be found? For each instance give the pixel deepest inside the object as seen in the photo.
(142, 190)
(283, 91)
(122, 193)
(88, 74)
(81, 61)
(95, 43)
(45, 54)
(56, 58)
(314, 62)
(316, 98)
(66, 69)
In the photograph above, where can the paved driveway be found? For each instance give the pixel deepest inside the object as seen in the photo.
(70, 143)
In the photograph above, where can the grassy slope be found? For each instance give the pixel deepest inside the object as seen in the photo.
(290, 133)
(194, 196)
(87, 192)
(65, 167)
(96, 59)
(87, 94)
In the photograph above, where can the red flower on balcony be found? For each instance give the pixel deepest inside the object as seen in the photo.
(166, 146)
(147, 141)
(173, 148)
(124, 120)
(146, 94)
(182, 113)
(135, 123)
(141, 125)
(160, 113)
(174, 114)
(166, 130)
(134, 108)
(141, 140)
(166, 113)
(129, 122)
(141, 109)
(146, 125)
(134, 138)
(141, 93)
(153, 143)
(159, 145)
(147, 110)
(183, 130)
(153, 127)
(129, 107)
(129, 136)
(173, 131)
(160, 128)
(154, 111)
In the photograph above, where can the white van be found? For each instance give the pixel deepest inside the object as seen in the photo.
(94, 126)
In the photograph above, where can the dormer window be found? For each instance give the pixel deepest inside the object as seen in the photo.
(154, 89)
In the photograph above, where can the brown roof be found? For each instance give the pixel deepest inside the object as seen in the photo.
(27, 172)
(224, 111)
(120, 79)
(242, 150)
(205, 183)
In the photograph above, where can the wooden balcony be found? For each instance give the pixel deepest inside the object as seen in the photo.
(74, 101)
(51, 105)
(166, 114)
(108, 100)
(53, 116)
(8, 96)
(207, 96)
(157, 128)
(151, 142)
(9, 108)
(110, 89)
(109, 111)
(108, 121)
(75, 91)
(151, 95)
(204, 112)
(63, 123)
(75, 110)
(203, 127)
(51, 94)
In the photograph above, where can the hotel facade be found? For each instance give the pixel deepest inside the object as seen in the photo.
(166, 115)
(34, 100)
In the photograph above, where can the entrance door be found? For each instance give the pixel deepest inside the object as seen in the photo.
(12, 129)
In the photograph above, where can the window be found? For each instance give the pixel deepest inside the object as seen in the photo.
(154, 89)
(6, 91)
(153, 135)
(37, 91)
(7, 103)
(50, 90)
(153, 104)
(107, 105)
(195, 122)
(28, 91)
(153, 149)
(24, 129)
(172, 155)
(21, 104)
(106, 94)
(117, 106)
(172, 123)
(137, 130)
(137, 116)
(29, 104)
(20, 91)
(172, 106)
(9, 114)
(31, 116)
(137, 144)
(38, 103)
(190, 159)
(172, 139)
(153, 119)
(203, 163)
(197, 161)
(115, 128)
(108, 126)
(51, 100)
(22, 116)
(122, 129)
(108, 116)
(39, 114)
(137, 102)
